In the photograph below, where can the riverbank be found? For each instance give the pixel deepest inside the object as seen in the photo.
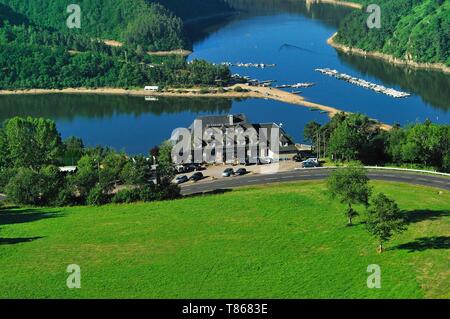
(180, 52)
(257, 92)
(337, 2)
(386, 57)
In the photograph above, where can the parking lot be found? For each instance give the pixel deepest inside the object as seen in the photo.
(214, 172)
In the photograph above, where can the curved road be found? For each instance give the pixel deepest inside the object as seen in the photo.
(436, 181)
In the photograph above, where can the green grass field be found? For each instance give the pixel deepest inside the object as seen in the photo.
(277, 241)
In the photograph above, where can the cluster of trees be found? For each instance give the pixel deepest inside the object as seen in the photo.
(417, 30)
(26, 66)
(351, 186)
(203, 9)
(37, 56)
(136, 22)
(349, 137)
(31, 151)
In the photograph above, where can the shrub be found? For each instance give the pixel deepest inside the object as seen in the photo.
(5, 175)
(66, 196)
(204, 91)
(97, 196)
(148, 193)
(51, 182)
(24, 188)
(127, 196)
(171, 191)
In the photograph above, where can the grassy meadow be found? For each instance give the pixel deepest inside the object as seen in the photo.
(275, 241)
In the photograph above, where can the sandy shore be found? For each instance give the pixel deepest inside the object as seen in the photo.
(115, 91)
(388, 58)
(251, 92)
(338, 2)
(180, 52)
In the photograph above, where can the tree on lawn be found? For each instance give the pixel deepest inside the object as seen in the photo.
(384, 219)
(351, 186)
(166, 168)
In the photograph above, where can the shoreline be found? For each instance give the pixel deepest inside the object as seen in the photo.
(349, 4)
(251, 92)
(388, 58)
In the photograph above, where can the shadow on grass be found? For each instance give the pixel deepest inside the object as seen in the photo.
(424, 243)
(13, 241)
(416, 216)
(214, 192)
(11, 216)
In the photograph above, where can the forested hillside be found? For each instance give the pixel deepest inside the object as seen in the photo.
(414, 30)
(135, 22)
(39, 51)
(192, 9)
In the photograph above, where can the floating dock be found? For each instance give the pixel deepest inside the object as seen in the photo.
(249, 65)
(363, 83)
(296, 86)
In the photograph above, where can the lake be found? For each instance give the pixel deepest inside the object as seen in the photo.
(291, 35)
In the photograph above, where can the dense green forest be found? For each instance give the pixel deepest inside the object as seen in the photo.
(39, 55)
(31, 149)
(417, 30)
(349, 137)
(152, 24)
(203, 8)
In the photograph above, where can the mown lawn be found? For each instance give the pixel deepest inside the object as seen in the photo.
(277, 241)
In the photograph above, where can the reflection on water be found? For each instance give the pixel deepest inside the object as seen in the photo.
(433, 87)
(291, 34)
(329, 14)
(302, 27)
(135, 125)
(71, 106)
(245, 9)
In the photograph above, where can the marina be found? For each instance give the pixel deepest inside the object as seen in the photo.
(363, 83)
(249, 65)
(296, 86)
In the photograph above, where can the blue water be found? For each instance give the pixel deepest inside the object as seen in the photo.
(138, 134)
(262, 39)
(291, 35)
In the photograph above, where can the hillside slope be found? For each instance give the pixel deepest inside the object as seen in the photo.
(135, 22)
(411, 30)
(38, 51)
(282, 241)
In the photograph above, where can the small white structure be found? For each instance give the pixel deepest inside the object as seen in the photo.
(151, 88)
(68, 169)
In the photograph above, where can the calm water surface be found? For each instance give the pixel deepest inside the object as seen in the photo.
(291, 35)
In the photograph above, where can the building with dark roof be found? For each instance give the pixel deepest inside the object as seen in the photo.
(233, 139)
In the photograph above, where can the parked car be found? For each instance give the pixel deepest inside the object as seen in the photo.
(266, 160)
(311, 162)
(181, 179)
(199, 168)
(180, 169)
(196, 177)
(241, 171)
(228, 172)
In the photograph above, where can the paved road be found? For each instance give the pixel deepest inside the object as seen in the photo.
(441, 182)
